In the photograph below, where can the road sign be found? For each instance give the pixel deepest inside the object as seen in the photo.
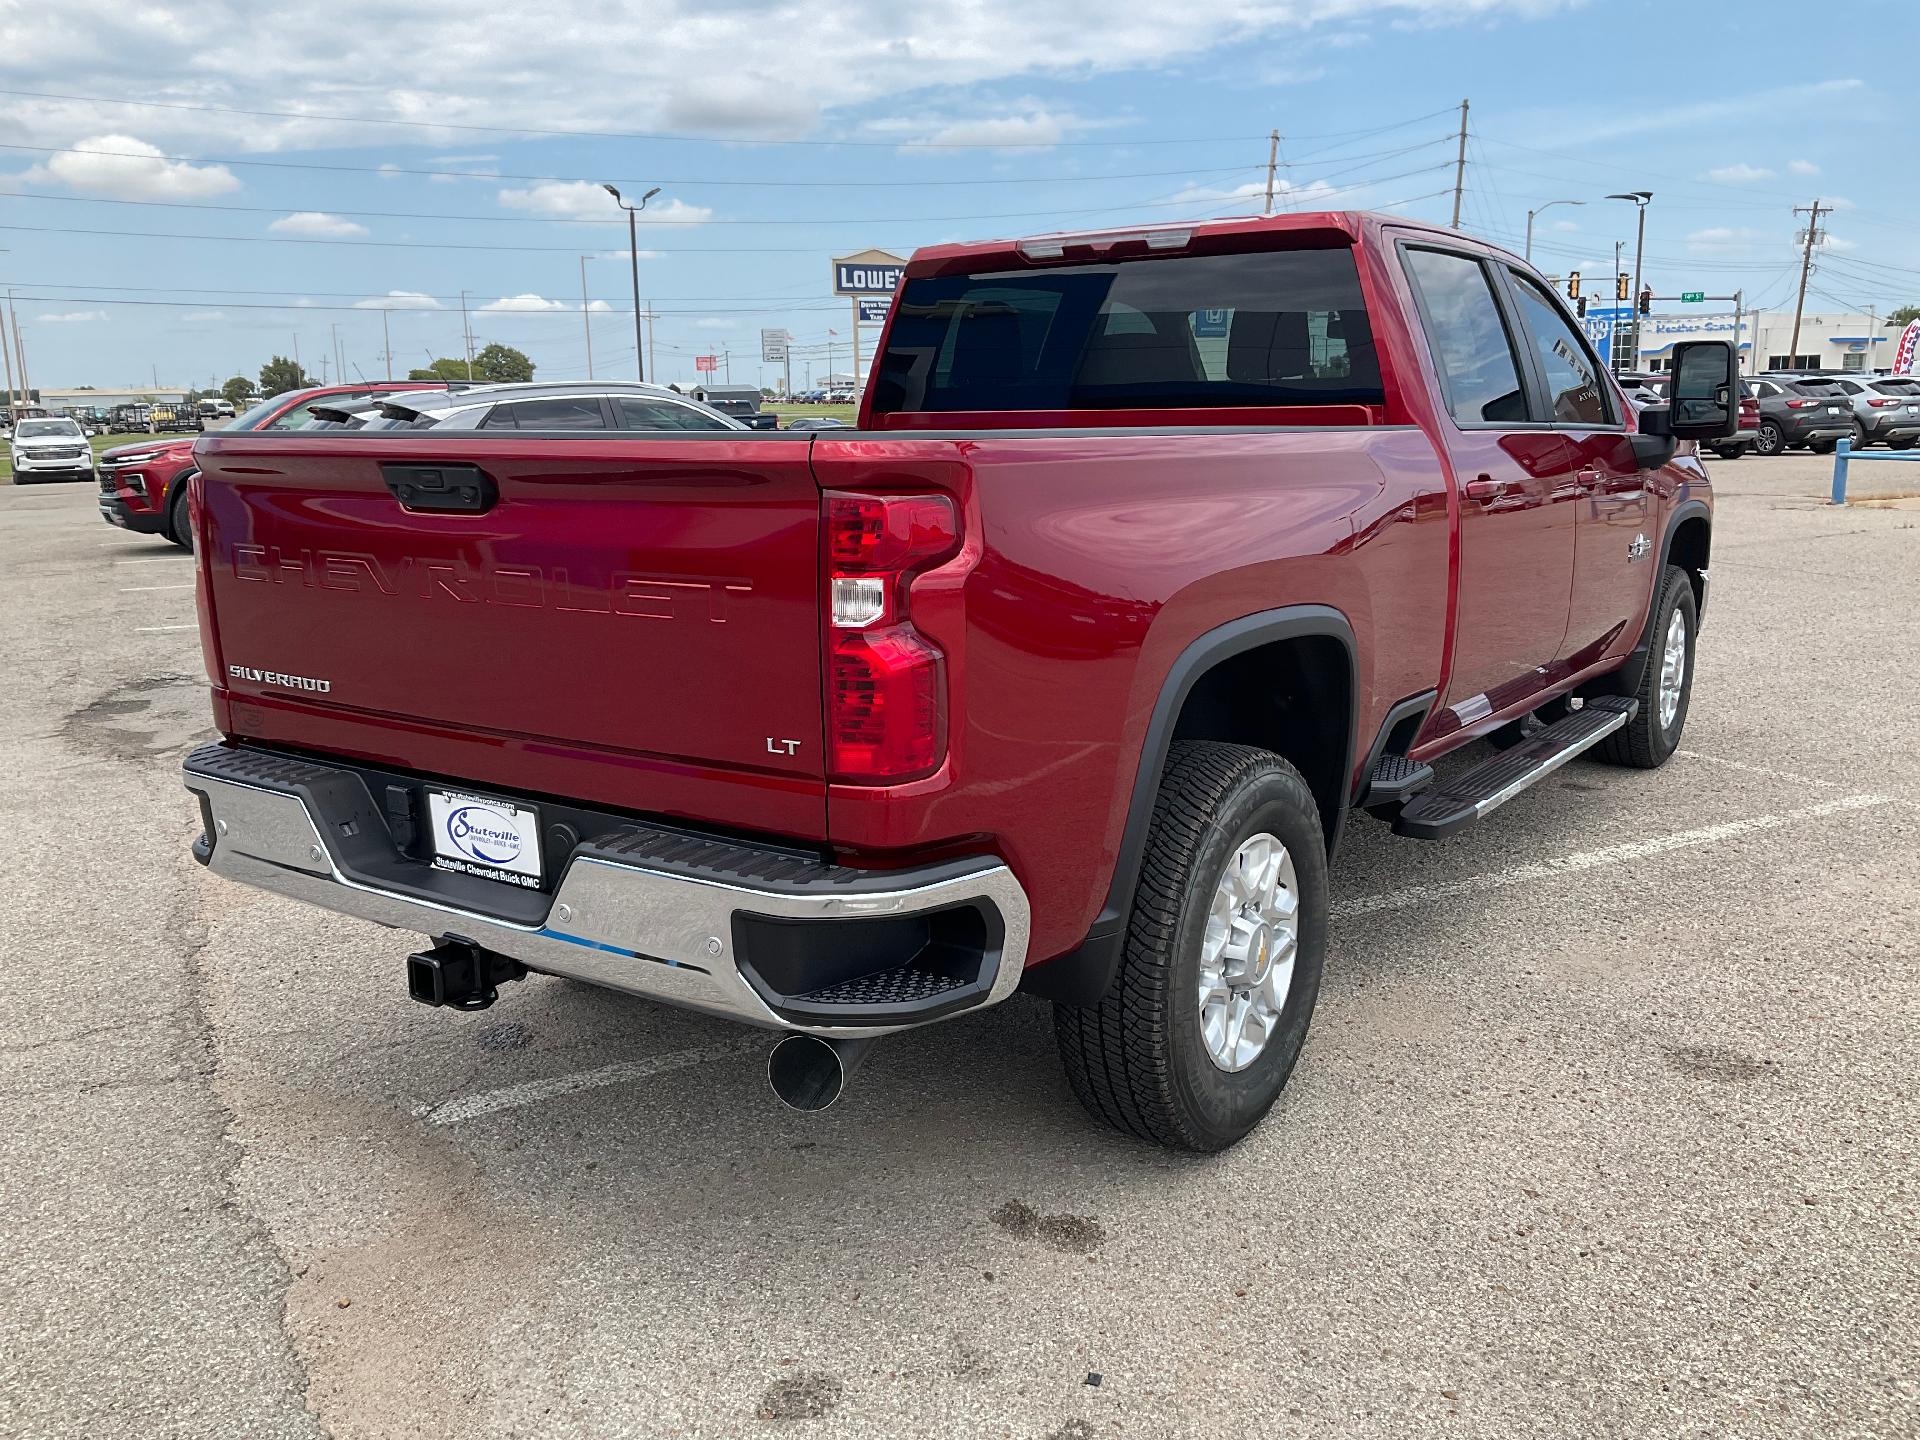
(706, 364)
(871, 272)
(773, 347)
(1692, 297)
(874, 312)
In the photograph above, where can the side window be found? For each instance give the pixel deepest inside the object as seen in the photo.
(566, 412)
(1574, 391)
(1478, 366)
(639, 414)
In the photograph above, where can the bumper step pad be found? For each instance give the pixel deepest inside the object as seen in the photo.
(1458, 802)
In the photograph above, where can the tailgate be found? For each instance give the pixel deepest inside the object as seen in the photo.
(654, 597)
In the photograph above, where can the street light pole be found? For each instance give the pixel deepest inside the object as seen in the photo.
(1542, 210)
(633, 255)
(586, 316)
(1640, 199)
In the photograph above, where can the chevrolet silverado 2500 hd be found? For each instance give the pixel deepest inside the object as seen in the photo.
(1155, 554)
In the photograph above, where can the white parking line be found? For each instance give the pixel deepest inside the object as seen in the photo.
(161, 629)
(1621, 854)
(137, 589)
(532, 1092)
(1766, 770)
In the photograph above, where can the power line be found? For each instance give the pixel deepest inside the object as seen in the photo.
(517, 130)
(437, 174)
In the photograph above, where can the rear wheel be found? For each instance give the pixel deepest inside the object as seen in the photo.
(1860, 441)
(1201, 1027)
(179, 525)
(1666, 686)
(1770, 440)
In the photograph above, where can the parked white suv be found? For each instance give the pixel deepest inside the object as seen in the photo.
(51, 449)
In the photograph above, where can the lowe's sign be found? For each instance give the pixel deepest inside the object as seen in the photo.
(872, 273)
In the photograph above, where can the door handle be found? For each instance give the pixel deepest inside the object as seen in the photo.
(1588, 478)
(1485, 489)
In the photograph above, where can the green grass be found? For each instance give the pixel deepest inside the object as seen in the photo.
(99, 443)
(788, 412)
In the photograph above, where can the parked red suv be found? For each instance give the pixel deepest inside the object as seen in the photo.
(1156, 554)
(142, 485)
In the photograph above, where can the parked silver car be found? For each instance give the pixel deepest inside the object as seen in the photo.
(581, 406)
(1886, 409)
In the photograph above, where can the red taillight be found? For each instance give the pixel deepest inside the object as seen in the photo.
(1801, 404)
(886, 683)
(1880, 404)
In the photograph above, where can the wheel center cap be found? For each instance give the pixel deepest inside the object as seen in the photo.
(1259, 954)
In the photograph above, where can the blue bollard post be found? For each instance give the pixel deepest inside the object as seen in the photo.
(1840, 453)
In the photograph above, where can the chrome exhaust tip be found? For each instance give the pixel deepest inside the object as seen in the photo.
(809, 1073)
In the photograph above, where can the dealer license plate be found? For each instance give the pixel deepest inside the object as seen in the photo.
(1833, 410)
(477, 836)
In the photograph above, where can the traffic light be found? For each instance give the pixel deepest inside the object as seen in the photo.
(1623, 286)
(1573, 285)
(1646, 301)
(1580, 306)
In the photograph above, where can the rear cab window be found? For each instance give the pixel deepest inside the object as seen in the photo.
(1286, 327)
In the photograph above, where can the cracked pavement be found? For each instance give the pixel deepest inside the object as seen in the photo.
(1606, 1127)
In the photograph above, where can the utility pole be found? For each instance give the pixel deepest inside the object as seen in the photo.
(6, 352)
(1460, 166)
(466, 328)
(1739, 300)
(19, 350)
(386, 344)
(1273, 166)
(586, 317)
(298, 368)
(636, 337)
(339, 356)
(1813, 214)
(726, 363)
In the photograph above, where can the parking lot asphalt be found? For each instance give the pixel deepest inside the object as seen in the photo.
(1607, 1125)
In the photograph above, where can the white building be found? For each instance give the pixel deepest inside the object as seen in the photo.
(1827, 342)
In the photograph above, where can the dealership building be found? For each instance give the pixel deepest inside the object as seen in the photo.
(1765, 338)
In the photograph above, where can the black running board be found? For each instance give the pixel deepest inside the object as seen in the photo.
(1445, 808)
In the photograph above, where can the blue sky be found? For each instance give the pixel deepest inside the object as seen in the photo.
(783, 134)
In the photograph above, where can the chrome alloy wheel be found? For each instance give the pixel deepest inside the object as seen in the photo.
(1247, 955)
(1673, 669)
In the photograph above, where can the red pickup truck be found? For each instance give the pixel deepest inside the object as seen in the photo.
(1155, 555)
(143, 484)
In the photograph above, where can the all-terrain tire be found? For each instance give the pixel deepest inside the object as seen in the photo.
(1645, 742)
(1138, 1059)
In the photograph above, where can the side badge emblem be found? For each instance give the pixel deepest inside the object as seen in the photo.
(1638, 547)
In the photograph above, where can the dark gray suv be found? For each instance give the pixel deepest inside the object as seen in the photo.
(1810, 413)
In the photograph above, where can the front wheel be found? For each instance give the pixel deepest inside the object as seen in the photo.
(1201, 1027)
(1770, 440)
(1666, 685)
(179, 524)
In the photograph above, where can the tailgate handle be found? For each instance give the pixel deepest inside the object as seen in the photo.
(447, 489)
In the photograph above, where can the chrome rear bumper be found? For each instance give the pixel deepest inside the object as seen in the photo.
(650, 912)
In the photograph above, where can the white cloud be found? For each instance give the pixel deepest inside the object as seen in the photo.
(316, 223)
(72, 317)
(599, 307)
(583, 200)
(1723, 240)
(1802, 167)
(1739, 173)
(1565, 227)
(628, 254)
(1840, 243)
(735, 70)
(388, 170)
(398, 300)
(129, 169)
(528, 304)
